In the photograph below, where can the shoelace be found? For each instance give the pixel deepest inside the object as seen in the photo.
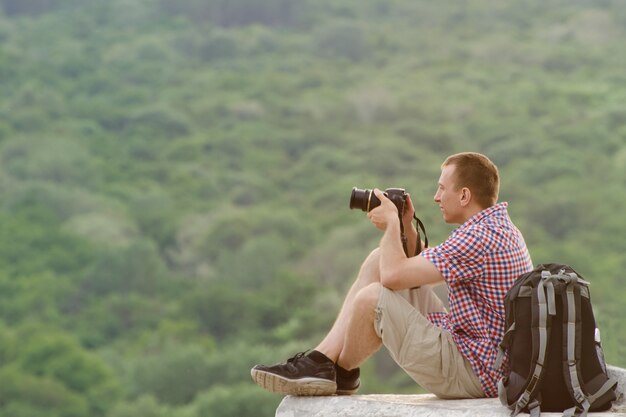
(296, 357)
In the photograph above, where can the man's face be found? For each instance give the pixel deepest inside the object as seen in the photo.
(448, 197)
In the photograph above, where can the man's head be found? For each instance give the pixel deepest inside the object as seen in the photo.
(469, 183)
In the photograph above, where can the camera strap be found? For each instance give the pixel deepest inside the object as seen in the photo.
(418, 244)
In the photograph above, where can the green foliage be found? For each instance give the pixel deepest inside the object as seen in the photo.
(153, 374)
(135, 268)
(145, 406)
(58, 357)
(108, 318)
(238, 400)
(53, 375)
(8, 345)
(24, 395)
(29, 7)
(234, 12)
(342, 40)
(175, 177)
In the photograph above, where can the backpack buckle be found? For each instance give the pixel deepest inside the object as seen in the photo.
(533, 384)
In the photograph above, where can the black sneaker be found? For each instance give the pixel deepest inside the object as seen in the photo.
(302, 374)
(348, 382)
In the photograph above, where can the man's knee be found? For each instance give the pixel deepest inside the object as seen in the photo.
(370, 269)
(374, 256)
(366, 299)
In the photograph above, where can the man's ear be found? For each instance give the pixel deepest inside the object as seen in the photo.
(466, 196)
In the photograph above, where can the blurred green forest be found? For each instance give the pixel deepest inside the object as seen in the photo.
(175, 176)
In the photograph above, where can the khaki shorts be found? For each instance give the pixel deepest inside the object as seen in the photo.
(425, 352)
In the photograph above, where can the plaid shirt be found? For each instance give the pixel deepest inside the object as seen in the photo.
(480, 262)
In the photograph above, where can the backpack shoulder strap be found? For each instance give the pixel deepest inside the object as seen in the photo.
(572, 347)
(572, 334)
(541, 323)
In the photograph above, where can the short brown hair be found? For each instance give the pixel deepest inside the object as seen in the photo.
(476, 172)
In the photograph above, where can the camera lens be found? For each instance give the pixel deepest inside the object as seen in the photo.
(363, 199)
(359, 198)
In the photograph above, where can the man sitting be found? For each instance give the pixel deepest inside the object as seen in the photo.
(450, 353)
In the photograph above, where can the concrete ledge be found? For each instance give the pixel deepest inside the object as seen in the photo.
(425, 405)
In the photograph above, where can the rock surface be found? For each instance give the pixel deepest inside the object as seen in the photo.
(424, 405)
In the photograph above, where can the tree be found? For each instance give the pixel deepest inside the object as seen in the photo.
(26, 395)
(57, 357)
(174, 375)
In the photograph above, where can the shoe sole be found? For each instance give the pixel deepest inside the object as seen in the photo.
(301, 387)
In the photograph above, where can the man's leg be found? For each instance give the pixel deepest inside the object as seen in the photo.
(333, 344)
(316, 372)
(361, 340)
(427, 353)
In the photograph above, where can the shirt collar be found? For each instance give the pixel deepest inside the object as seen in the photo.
(495, 210)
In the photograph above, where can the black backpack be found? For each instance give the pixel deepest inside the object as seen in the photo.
(555, 361)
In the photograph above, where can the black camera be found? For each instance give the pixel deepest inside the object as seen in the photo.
(366, 200)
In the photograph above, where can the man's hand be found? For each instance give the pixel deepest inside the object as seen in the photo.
(397, 271)
(384, 214)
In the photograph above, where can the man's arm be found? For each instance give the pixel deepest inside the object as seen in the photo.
(398, 272)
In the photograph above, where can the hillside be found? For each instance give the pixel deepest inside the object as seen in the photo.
(174, 177)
